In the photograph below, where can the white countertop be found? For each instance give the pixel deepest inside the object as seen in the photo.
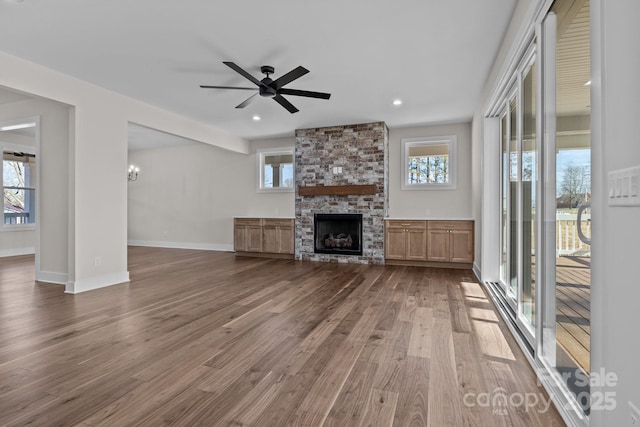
(435, 218)
(264, 217)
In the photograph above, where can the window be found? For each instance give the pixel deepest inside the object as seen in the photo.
(275, 169)
(429, 163)
(18, 185)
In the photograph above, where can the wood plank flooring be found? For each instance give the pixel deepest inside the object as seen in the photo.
(205, 338)
(573, 309)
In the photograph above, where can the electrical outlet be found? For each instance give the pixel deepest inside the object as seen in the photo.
(97, 261)
(634, 415)
(427, 212)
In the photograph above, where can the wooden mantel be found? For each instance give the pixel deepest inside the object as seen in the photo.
(337, 190)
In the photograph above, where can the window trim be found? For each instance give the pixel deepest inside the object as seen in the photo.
(4, 146)
(449, 140)
(260, 156)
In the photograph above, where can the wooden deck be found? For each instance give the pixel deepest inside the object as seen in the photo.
(202, 338)
(573, 315)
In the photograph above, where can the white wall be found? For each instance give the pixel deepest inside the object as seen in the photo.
(441, 203)
(186, 196)
(52, 260)
(616, 231)
(98, 186)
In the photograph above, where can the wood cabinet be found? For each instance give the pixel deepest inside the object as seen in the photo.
(429, 243)
(450, 241)
(247, 235)
(277, 236)
(263, 236)
(406, 240)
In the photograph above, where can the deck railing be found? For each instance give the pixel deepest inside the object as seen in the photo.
(567, 240)
(16, 217)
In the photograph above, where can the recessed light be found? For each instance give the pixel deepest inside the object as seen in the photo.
(18, 126)
(397, 102)
(256, 118)
(588, 83)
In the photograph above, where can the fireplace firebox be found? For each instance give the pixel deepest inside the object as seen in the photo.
(339, 234)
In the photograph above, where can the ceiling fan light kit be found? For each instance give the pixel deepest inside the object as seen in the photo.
(269, 88)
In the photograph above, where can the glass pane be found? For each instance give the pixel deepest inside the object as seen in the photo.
(17, 173)
(19, 206)
(268, 176)
(528, 195)
(567, 341)
(429, 169)
(287, 176)
(277, 170)
(513, 196)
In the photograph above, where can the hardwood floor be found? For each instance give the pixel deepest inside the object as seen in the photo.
(205, 338)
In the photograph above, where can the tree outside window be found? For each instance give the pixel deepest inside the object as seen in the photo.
(18, 182)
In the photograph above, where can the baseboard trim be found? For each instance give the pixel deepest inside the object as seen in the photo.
(17, 251)
(477, 272)
(182, 245)
(453, 265)
(51, 277)
(92, 283)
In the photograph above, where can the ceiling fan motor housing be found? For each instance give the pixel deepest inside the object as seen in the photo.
(266, 89)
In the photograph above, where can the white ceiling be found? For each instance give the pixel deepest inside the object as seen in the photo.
(435, 55)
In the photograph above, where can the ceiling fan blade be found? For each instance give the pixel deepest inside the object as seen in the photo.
(242, 72)
(286, 104)
(227, 87)
(247, 101)
(307, 93)
(296, 73)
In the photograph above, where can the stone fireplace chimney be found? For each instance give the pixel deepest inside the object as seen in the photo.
(342, 170)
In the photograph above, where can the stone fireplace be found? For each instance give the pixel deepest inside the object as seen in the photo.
(341, 170)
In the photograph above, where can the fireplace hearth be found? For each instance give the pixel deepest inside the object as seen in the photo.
(337, 234)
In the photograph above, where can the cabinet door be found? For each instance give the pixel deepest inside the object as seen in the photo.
(461, 246)
(438, 243)
(286, 240)
(396, 244)
(416, 244)
(240, 234)
(270, 239)
(254, 239)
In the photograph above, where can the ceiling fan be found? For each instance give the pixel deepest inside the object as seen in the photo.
(272, 88)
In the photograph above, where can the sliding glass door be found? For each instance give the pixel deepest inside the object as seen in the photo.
(545, 191)
(518, 195)
(567, 168)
